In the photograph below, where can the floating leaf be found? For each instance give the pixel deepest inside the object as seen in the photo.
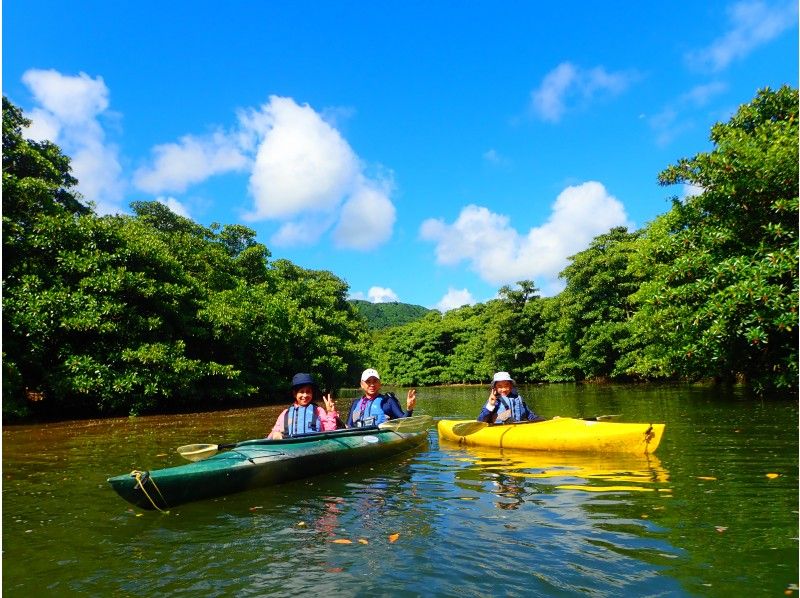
(161, 455)
(342, 541)
(363, 541)
(301, 524)
(772, 476)
(721, 528)
(706, 477)
(393, 537)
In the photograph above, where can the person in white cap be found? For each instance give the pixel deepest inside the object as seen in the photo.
(505, 404)
(374, 408)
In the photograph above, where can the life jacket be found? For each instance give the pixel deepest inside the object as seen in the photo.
(514, 403)
(371, 416)
(300, 420)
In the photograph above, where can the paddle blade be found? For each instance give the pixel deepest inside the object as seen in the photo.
(468, 428)
(605, 418)
(415, 423)
(198, 452)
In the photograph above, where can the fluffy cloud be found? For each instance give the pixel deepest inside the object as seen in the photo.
(192, 160)
(568, 84)
(366, 219)
(301, 171)
(751, 24)
(174, 205)
(302, 163)
(501, 255)
(455, 298)
(68, 112)
(381, 295)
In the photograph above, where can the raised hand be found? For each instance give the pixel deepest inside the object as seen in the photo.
(329, 405)
(411, 399)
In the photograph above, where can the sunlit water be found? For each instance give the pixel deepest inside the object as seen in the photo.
(713, 513)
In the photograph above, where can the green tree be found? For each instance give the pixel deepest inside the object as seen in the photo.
(721, 294)
(589, 324)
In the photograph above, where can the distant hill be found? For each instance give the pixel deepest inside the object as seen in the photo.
(385, 315)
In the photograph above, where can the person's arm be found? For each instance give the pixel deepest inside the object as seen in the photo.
(391, 407)
(277, 430)
(486, 415)
(327, 419)
(489, 411)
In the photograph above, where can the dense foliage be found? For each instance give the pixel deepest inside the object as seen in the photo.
(384, 315)
(153, 311)
(124, 314)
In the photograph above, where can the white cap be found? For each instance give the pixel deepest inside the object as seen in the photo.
(369, 373)
(502, 377)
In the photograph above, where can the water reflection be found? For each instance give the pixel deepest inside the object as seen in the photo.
(505, 472)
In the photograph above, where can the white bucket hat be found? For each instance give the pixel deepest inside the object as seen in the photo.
(502, 377)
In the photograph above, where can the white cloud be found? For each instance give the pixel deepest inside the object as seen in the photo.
(302, 164)
(376, 295)
(191, 160)
(672, 120)
(68, 112)
(751, 24)
(455, 298)
(366, 218)
(174, 205)
(568, 84)
(700, 95)
(690, 190)
(381, 295)
(501, 255)
(491, 156)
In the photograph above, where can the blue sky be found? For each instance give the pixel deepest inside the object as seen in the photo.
(424, 152)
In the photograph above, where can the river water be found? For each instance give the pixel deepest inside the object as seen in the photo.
(713, 513)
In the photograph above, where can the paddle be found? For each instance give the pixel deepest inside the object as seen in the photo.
(467, 428)
(416, 423)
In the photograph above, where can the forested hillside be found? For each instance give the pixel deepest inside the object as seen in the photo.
(385, 315)
(152, 311)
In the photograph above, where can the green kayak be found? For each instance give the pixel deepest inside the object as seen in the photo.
(258, 463)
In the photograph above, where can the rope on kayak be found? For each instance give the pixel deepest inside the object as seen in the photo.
(138, 476)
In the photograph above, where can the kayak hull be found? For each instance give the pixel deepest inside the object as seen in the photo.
(259, 463)
(562, 434)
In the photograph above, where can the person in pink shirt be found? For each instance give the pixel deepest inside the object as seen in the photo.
(304, 416)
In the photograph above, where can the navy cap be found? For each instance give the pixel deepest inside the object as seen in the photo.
(302, 380)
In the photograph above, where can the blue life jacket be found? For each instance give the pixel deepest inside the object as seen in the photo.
(300, 420)
(517, 406)
(371, 416)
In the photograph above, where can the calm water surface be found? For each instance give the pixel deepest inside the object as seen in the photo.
(713, 513)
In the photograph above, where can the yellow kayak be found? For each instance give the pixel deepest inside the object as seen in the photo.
(562, 434)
